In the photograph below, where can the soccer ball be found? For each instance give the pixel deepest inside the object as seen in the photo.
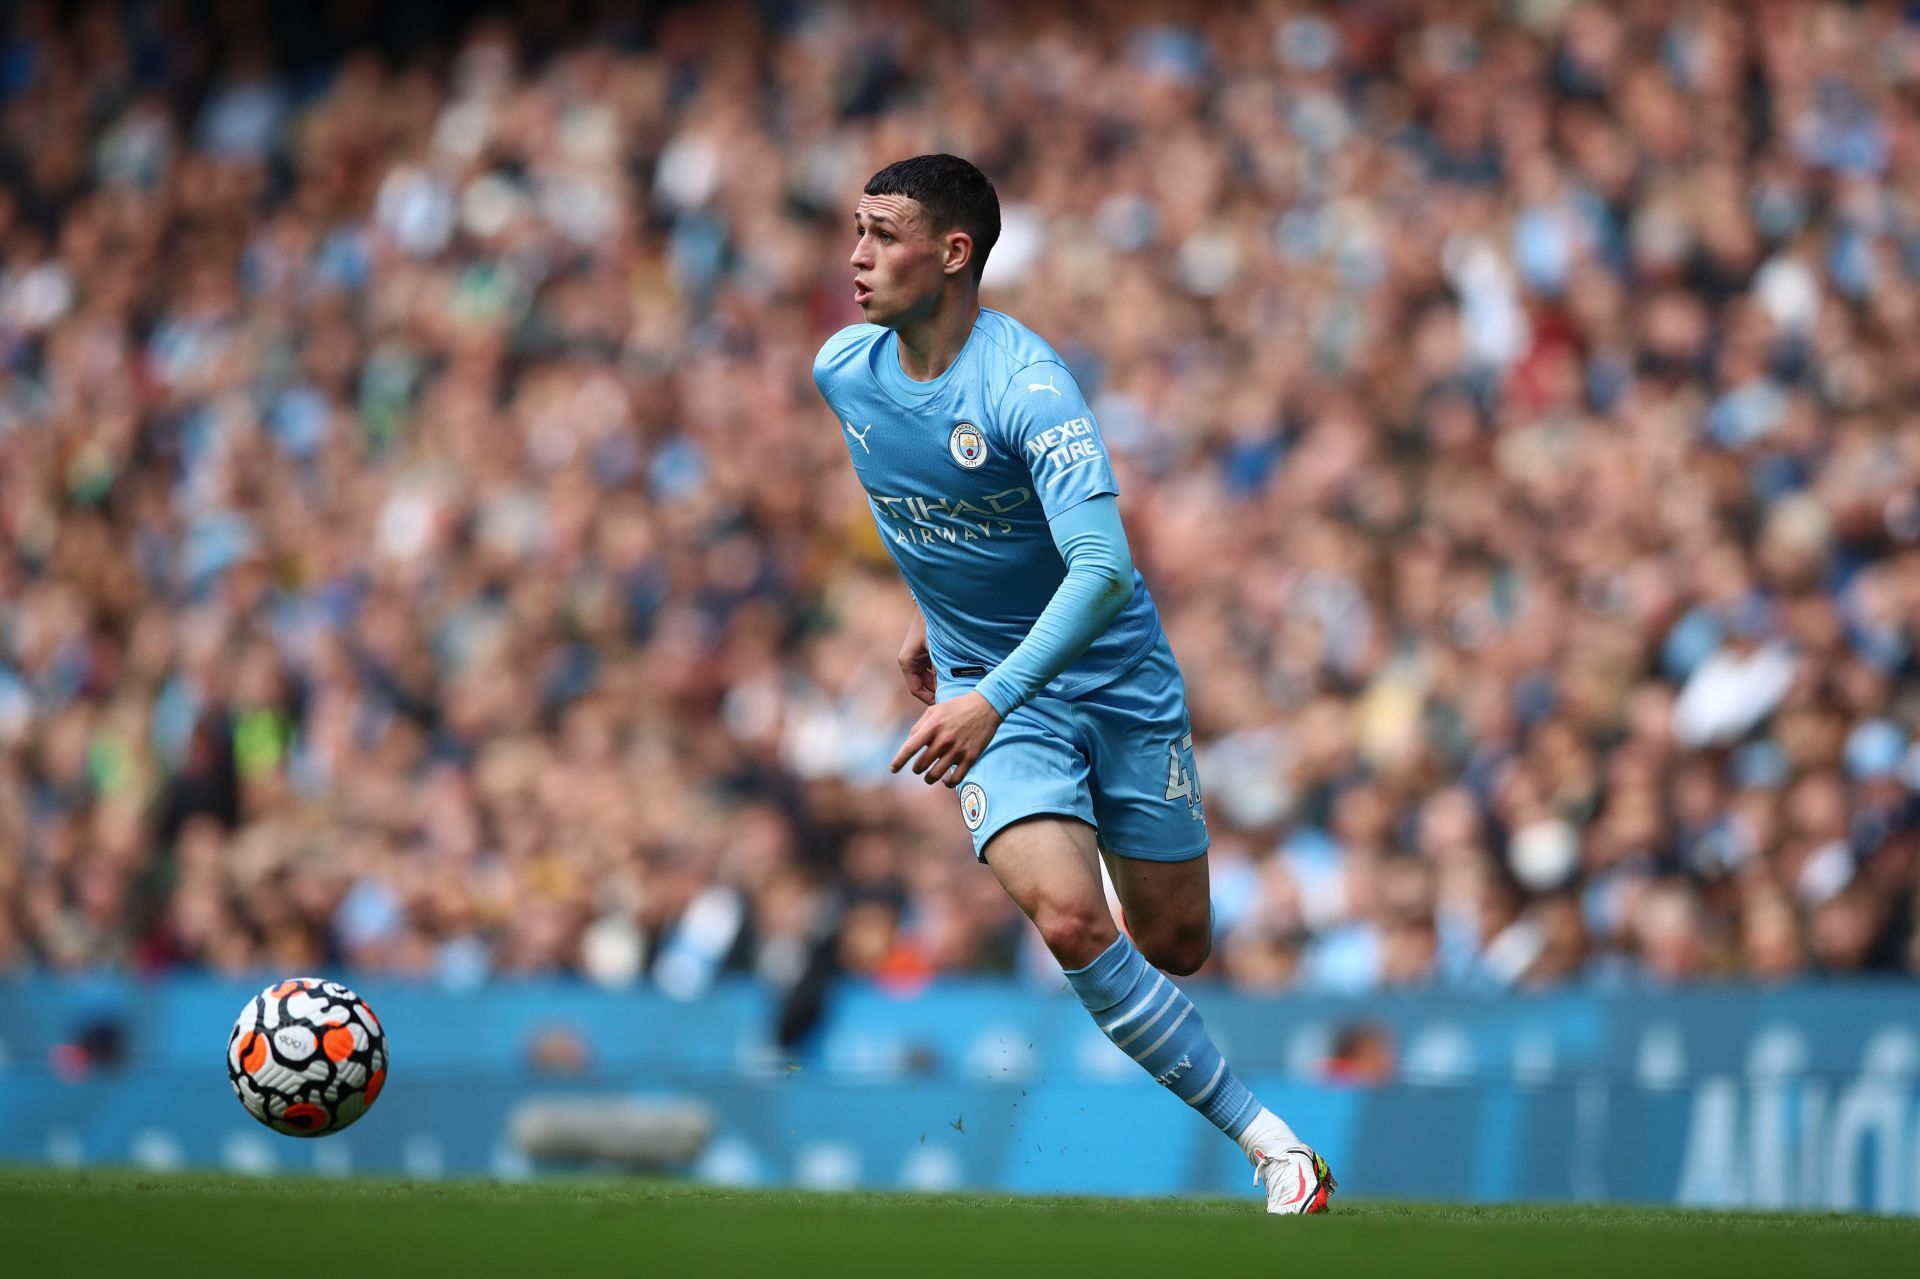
(307, 1057)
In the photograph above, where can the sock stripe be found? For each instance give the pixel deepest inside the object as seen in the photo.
(1218, 1071)
(1147, 1052)
(1159, 980)
(1147, 1025)
(1117, 986)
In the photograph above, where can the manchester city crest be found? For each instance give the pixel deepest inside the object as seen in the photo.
(968, 444)
(973, 805)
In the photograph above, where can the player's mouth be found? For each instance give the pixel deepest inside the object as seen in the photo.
(861, 294)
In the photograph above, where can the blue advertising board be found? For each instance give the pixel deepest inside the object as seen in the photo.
(1807, 1096)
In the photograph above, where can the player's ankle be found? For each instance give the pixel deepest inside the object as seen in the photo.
(1266, 1133)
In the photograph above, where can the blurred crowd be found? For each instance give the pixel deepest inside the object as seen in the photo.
(422, 548)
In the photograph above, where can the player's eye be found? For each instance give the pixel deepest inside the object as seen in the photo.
(884, 237)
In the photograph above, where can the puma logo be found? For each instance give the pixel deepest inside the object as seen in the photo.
(862, 437)
(1044, 386)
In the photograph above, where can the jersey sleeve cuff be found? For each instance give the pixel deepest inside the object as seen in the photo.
(995, 688)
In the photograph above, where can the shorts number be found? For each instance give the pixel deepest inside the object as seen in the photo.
(1180, 782)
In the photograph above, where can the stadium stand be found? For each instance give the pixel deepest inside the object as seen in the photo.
(422, 549)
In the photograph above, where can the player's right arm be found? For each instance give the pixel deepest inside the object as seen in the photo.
(839, 357)
(916, 663)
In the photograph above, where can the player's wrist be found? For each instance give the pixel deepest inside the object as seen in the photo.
(999, 694)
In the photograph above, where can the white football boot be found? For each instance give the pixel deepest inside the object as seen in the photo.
(1298, 1181)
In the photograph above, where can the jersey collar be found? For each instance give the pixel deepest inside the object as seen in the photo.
(893, 379)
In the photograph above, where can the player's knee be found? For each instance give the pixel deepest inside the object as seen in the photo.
(1179, 950)
(1075, 935)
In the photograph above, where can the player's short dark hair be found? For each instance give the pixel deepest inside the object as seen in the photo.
(955, 194)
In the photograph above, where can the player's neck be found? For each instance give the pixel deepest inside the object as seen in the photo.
(929, 347)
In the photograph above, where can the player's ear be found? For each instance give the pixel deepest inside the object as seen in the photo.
(958, 256)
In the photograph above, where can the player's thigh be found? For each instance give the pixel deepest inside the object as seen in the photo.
(1146, 796)
(1033, 767)
(1049, 867)
(1168, 907)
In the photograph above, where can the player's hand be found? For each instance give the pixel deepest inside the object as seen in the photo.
(917, 664)
(949, 737)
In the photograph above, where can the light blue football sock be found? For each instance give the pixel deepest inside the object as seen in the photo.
(1152, 1021)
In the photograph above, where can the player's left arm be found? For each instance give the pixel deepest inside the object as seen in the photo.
(1047, 420)
(1098, 584)
(950, 736)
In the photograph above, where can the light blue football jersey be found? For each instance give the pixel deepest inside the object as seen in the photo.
(963, 473)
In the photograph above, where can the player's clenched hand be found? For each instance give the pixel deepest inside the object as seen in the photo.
(949, 737)
(917, 664)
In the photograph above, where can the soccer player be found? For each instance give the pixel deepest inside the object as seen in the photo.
(1054, 706)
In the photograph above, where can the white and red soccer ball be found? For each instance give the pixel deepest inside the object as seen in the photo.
(307, 1057)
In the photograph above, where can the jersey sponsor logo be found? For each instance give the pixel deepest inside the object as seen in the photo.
(968, 445)
(973, 805)
(1035, 387)
(1071, 443)
(948, 519)
(861, 436)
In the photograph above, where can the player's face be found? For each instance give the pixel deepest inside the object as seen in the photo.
(897, 260)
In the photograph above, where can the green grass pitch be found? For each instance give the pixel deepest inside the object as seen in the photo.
(130, 1223)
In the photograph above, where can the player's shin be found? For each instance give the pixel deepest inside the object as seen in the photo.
(1151, 1019)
